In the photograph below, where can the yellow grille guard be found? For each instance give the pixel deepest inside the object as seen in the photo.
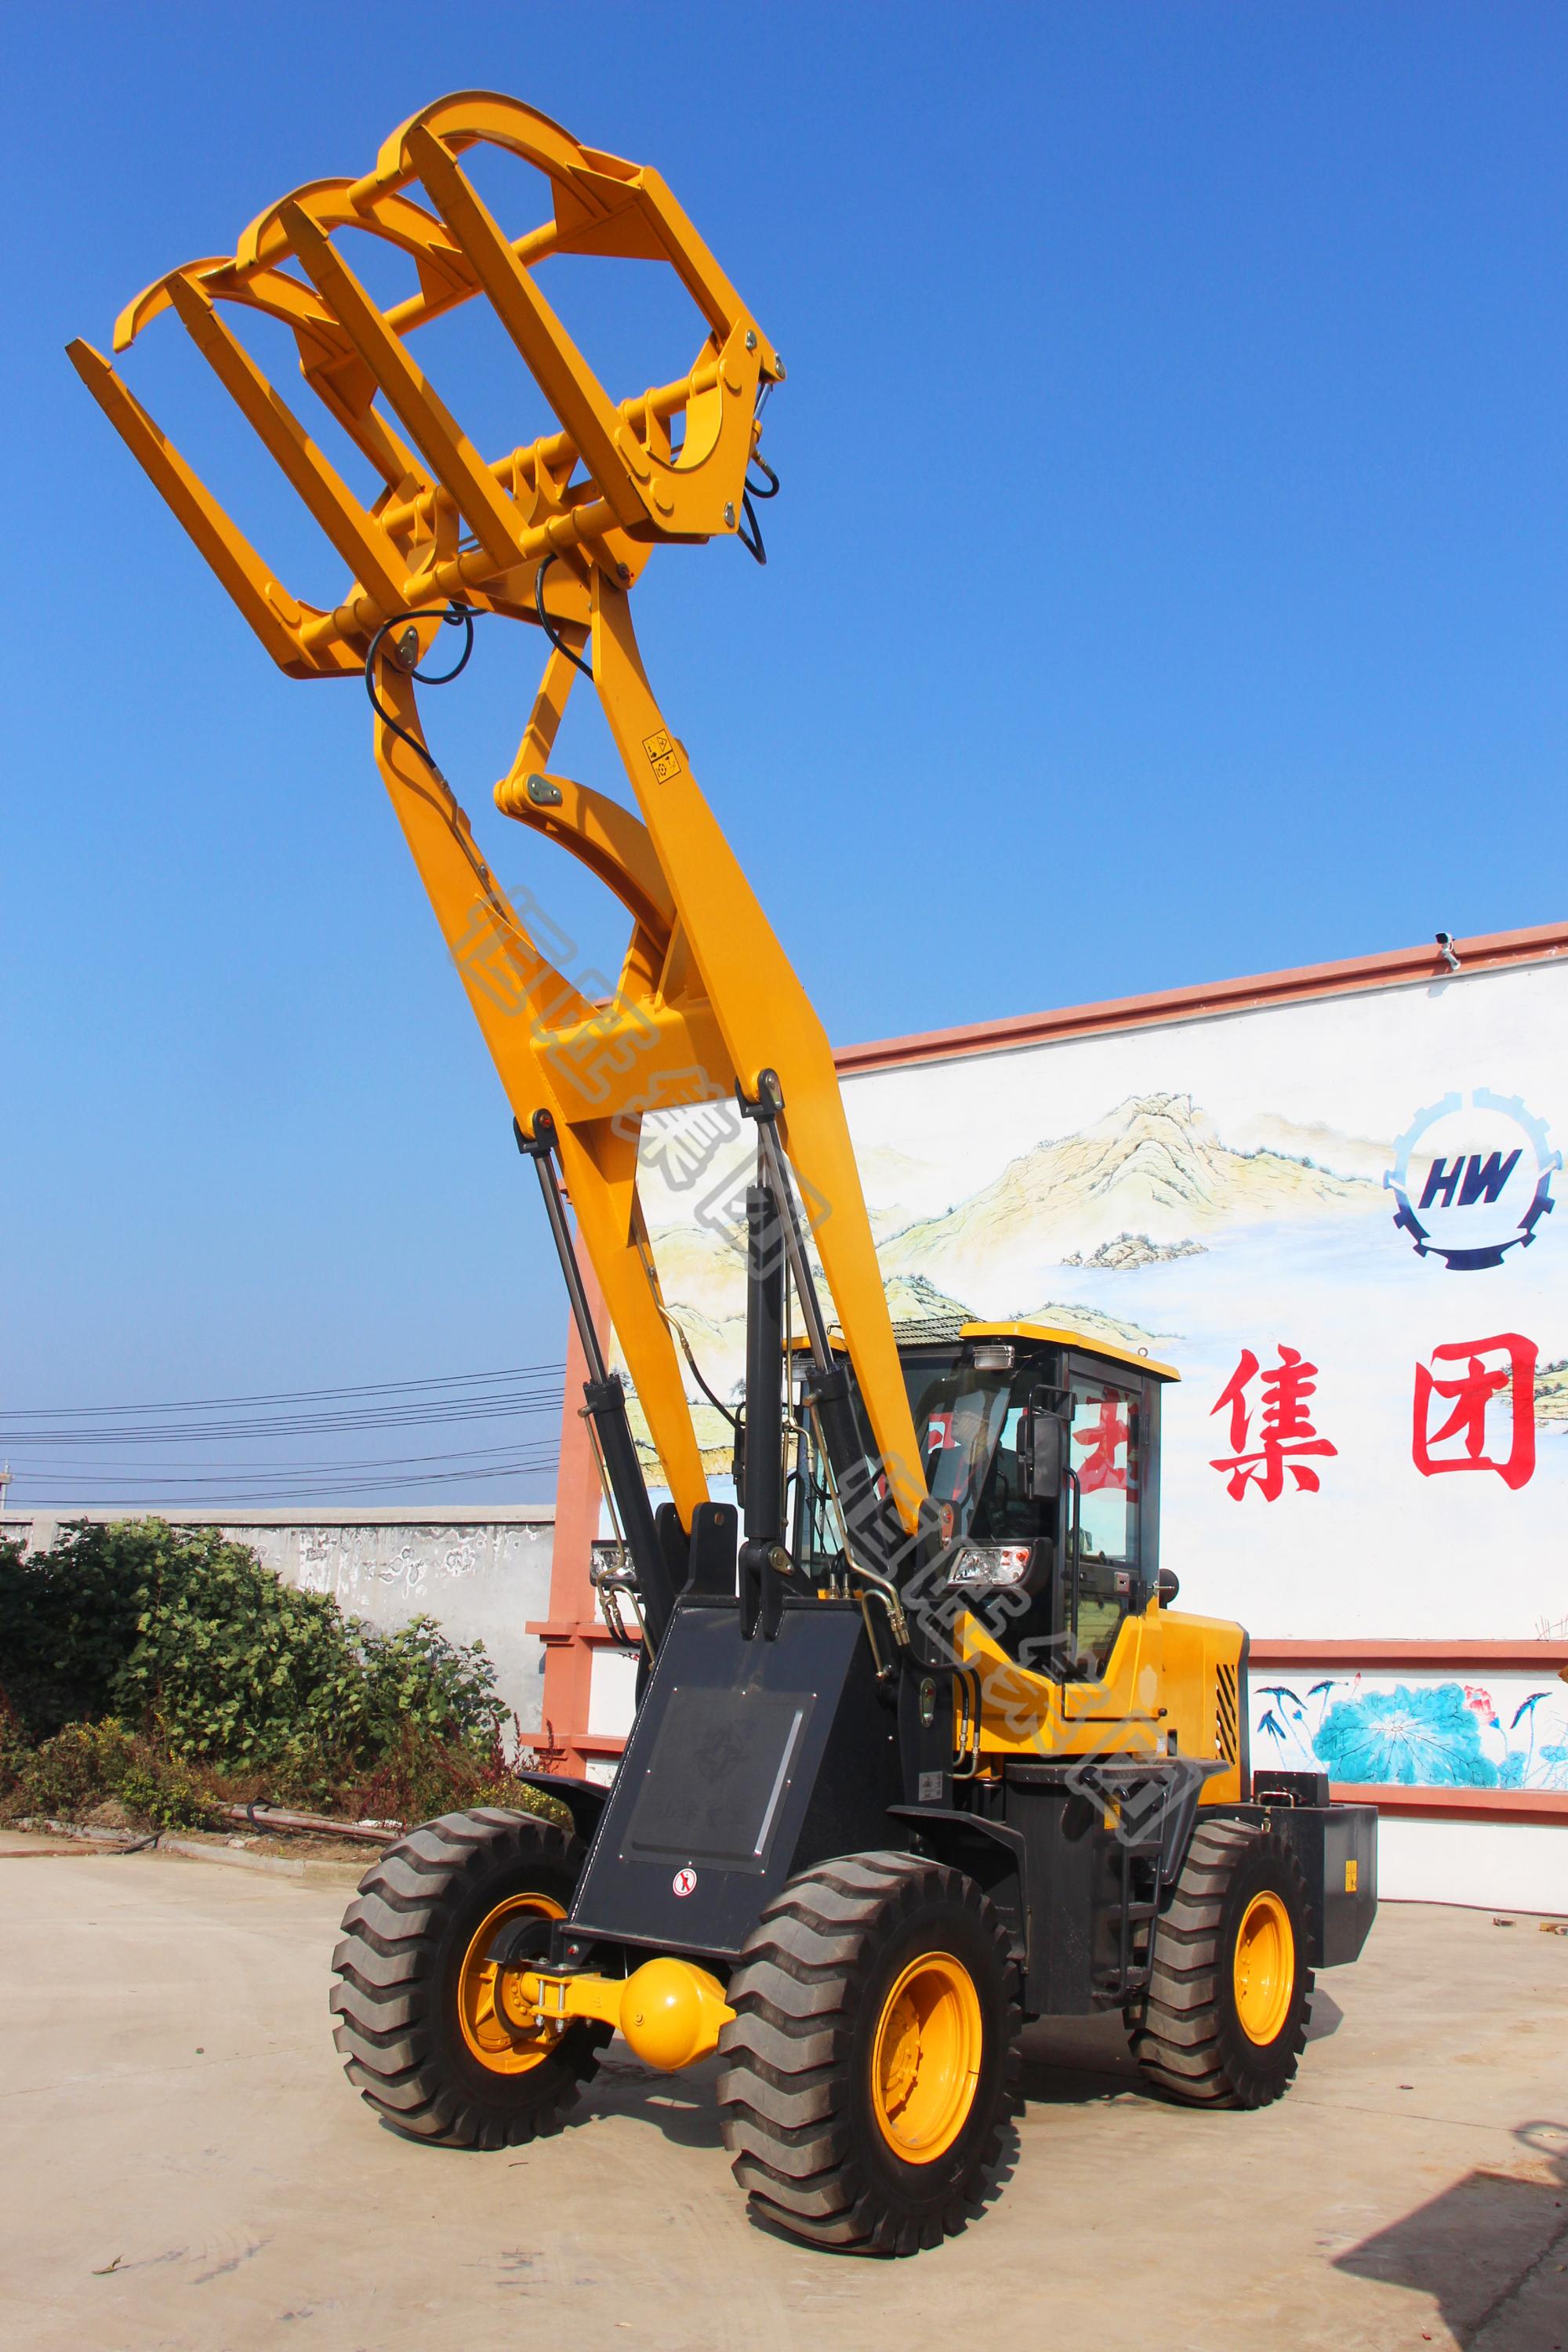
(706, 997)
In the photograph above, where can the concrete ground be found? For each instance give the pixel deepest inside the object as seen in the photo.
(184, 2166)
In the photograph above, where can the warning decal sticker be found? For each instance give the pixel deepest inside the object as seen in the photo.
(662, 756)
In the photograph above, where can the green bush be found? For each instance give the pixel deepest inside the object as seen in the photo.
(232, 1663)
(68, 1623)
(163, 1793)
(417, 1677)
(150, 1663)
(419, 1776)
(15, 1746)
(85, 1763)
(74, 1771)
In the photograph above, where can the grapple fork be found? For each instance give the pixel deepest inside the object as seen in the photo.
(553, 534)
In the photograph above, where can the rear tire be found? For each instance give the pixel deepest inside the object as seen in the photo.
(1224, 2020)
(416, 2025)
(870, 2068)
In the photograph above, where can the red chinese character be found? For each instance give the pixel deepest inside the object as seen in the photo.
(1470, 1392)
(1286, 1432)
(1105, 1438)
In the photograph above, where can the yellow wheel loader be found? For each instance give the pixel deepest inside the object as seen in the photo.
(922, 1749)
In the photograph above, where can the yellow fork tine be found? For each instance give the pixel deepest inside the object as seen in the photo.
(232, 557)
(370, 555)
(561, 373)
(483, 504)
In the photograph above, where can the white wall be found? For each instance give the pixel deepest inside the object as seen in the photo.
(1492, 1865)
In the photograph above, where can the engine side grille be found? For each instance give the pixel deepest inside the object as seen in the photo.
(1227, 1742)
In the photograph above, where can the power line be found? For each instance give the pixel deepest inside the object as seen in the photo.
(172, 1474)
(402, 1404)
(410, 1416)
(304, 1491)
(285, 1396)
(81, 1437)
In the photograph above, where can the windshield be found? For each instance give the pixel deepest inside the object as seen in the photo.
(967, 1425)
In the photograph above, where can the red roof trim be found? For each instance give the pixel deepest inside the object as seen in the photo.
(1544, 1658)
(1546, 1805)
(1401, 967)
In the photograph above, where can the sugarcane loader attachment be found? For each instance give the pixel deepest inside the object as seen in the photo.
(922, 1749)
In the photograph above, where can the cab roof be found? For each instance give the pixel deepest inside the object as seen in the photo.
(1060, 1335)
(1055, 1335)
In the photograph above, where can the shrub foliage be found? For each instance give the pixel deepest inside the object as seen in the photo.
(68, 1623)
(234, 1665)
(148, 1663)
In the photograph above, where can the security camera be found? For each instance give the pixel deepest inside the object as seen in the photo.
(1445, 949)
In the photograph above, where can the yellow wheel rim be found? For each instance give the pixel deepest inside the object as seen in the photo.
(504, 2047)
(925, 2061)
(1265, 1968)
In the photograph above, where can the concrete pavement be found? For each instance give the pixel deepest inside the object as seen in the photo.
(184, 2167)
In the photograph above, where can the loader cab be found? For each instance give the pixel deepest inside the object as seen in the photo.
(1041, 1455)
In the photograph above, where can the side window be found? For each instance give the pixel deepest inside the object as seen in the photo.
(1106, 1454)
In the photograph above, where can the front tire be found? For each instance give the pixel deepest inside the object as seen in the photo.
(1224, 2020)
(417, 2022)
(871, 2066)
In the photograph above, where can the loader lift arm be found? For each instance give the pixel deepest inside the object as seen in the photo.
(554, 535)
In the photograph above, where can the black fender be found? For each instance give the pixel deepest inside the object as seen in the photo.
(583, 1799)
(990, 1853)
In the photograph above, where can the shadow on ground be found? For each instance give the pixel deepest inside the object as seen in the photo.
(1066, 2062)
(1491, 2251)
(684, 2108)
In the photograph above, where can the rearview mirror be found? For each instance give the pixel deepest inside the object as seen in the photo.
(1041, 1450)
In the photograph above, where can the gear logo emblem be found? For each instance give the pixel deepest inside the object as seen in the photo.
(1472, 1175)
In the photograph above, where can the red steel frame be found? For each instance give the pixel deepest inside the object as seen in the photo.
(572, 1633)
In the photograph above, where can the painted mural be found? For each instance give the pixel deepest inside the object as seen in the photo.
(1503, 1733)
(1339, 1220)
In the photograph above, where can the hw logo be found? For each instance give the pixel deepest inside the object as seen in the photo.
(1473, 1179)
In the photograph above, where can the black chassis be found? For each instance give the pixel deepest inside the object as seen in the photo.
(753, 1758)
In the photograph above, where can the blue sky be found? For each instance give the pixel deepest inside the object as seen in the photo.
(1168, 584)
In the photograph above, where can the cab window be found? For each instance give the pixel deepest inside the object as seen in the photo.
(1106, 1451)
(962, 1418)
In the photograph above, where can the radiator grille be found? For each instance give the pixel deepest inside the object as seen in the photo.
(1225, 1723)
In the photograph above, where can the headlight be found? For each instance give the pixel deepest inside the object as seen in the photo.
(990, 1564)
(610, 1563)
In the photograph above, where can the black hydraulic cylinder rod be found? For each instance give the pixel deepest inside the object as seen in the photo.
(763, 1554)
(764, 1368)
(871, 1520)
(539, 1148)
(607, 1403)
(873, 1523)
(605, 1399)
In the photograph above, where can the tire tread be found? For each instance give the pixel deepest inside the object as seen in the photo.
(385, 1966)
(1178, 2024)
(796, 1993)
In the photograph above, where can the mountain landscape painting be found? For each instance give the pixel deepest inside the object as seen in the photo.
(1215, 1193)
